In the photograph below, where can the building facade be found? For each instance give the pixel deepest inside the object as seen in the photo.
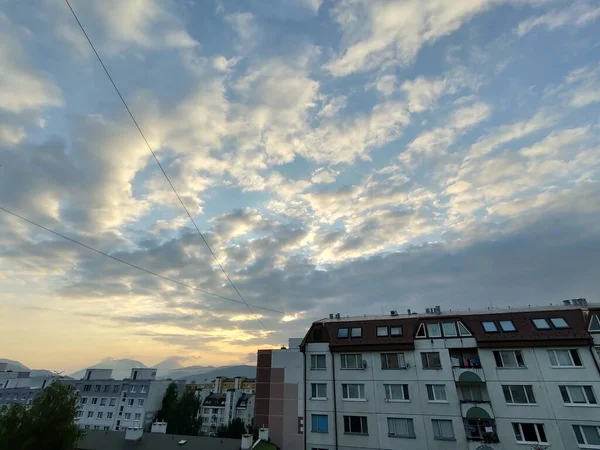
(492, 380)
(20, 387)
(108, 404)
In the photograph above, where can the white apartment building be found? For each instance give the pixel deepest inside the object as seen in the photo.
(108, 404)
(492, 380)
(20, 387)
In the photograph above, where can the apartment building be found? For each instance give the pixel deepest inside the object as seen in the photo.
(108, 404)
(20, 387)
(279, 404)
(488, 380)
(225, 399)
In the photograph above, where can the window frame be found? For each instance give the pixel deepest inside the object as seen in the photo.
(587, 391)
(318, 418)
(387, 392)
(431, 393)
(314, 389)
(552, 355)
(512, 324)
(527, 392)
(437, 430)
(364, 425)
(344, 361)
(394, 333)
(537, 426)
(541, 319)
(498, 357)
(566, 325)
(410, 427)
(314, 361)
(463, 331)
(360, 391)
(341, 331)
(425, 357)
(453, 325)
(387, 331)
(579, 433)
(431, 335)
(594, 319)
(399, 356)
(357, 336)
(492, 323)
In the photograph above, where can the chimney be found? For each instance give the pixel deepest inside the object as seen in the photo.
(393, 312)
(263, 434)
(337, 316)
(330, 316)
(246, 441)
(159, 427)
(133, 434)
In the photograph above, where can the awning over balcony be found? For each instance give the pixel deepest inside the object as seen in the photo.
(469, 377)
(477, 413)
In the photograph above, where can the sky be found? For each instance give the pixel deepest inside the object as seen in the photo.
(352, 156)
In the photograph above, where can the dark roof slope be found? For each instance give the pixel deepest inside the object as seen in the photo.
(115, 440)
(215, 400)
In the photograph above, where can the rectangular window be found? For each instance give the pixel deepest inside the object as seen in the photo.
(353, 391)
(449, 329)
(396, 392)
(100, 414)
(96, 427)
(529, 433)
(130, 402)
(318, 391)
(127, 416)
(403, 428)
(133, 389)
(578, 395)
(565, 358)
(113, 402)
(587, 435)
(393, 361)
(509, 359)
(489, 327)
(90, 414)
(355, 425)
(351, 361)
(431, 360)
(109, 415)
(559, 323)
(143, 389)
(356, 332)
(140, 402)
(94, 401)
(319, 423)
(107, 388)
(518, 394)
(102, 402)
(437, 393)
(507, 325)
(395, 331)
(317, 362)
(382, 331)
(116, 388)
(98, 388)
(471, 392)
(434, 330)
(342, 333)
(541, 324)
(87, 387)
(79, 414)
(84, 400)
(594, 324)
(138, 416)
(442, 429)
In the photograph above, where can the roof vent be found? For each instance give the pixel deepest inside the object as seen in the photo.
(331, 316)
(337, 316)
(437, 310)
(393, 312)
(566, 302)
(428, 310)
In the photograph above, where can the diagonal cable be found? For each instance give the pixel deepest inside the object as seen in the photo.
(161, 167)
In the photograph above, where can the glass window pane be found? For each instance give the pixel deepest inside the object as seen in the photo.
(578, 435)
(421, 331)
(449, 329)
(530, 396)
(564, 394)
(462, 329)
(563, 357)
(507, 394)
(591, 435)
(356, 332)
(529, 432)
(541, 324)
(577, 394)
(396, 331)
(559, 322)
(589, 392)
(382, 331)
(434, 330)
(518, 393)
(594, 324)
(489, 327)
(446, 429)
(342, 332)
(507, 325)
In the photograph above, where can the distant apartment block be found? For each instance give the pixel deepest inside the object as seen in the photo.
(510, 379)
(20, 387)
(108, 404)
(224, 400)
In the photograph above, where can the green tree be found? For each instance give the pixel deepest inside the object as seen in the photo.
(234, 430)
(48, 425)
(182, 413)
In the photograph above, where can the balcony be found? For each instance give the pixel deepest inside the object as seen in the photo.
(468, 374)
(471, 409)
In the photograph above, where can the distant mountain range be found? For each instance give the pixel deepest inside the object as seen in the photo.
(166, 369)
(16, 366)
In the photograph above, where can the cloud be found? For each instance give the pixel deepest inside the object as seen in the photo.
(579, 14)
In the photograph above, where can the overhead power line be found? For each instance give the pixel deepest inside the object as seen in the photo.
(161, 167)
(122, 261)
